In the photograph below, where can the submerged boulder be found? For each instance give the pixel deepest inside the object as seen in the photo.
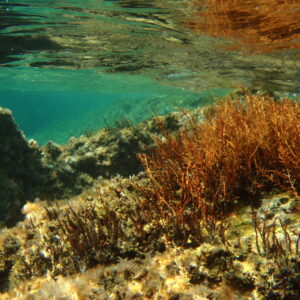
(21, 171)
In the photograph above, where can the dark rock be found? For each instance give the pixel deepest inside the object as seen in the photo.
(21, 171)
(241, 281)
(53, 150)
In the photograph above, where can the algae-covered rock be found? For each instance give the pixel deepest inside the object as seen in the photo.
(99, 245)
(8, 248)
(60, 171)
(21, 171)
(105, 153)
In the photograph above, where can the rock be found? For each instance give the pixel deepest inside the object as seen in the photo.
(52, 149)
(21, 171)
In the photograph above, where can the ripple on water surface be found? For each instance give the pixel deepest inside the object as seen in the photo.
(144, 48)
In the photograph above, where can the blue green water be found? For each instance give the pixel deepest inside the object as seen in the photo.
(69, 67)
(57, 104)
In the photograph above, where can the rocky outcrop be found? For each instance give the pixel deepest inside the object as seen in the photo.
(104, 153)
(57, 171)
(21, 170)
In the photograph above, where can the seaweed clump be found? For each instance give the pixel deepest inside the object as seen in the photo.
(243, 148)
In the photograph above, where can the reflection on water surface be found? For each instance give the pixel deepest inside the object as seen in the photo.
(71, 63)
(183, 43)
(256, 25)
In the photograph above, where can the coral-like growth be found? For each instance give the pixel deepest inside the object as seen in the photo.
(243, 147)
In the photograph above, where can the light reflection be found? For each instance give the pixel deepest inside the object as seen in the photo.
(261, 26)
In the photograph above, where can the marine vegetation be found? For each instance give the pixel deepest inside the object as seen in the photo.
(214, 215)
(243, 147)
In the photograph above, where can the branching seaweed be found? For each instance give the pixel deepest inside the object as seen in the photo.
(90, 236)
(268, 242)
(243, 148)
(279, 244)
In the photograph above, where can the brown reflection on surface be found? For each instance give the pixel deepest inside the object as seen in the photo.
(257, 25)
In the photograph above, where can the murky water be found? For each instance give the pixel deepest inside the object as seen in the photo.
(85, 58)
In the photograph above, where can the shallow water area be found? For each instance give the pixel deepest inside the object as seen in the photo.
(57, 104)
(69, 67)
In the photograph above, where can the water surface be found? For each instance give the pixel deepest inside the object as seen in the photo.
(68, 65)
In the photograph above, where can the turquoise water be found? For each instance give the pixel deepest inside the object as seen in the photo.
(69, 67)
(57, 104)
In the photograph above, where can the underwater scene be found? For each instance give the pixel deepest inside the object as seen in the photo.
(150, 149)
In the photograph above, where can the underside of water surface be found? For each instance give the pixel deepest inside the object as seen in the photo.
(70, 67)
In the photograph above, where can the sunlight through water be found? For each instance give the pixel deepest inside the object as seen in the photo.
(73, 63)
